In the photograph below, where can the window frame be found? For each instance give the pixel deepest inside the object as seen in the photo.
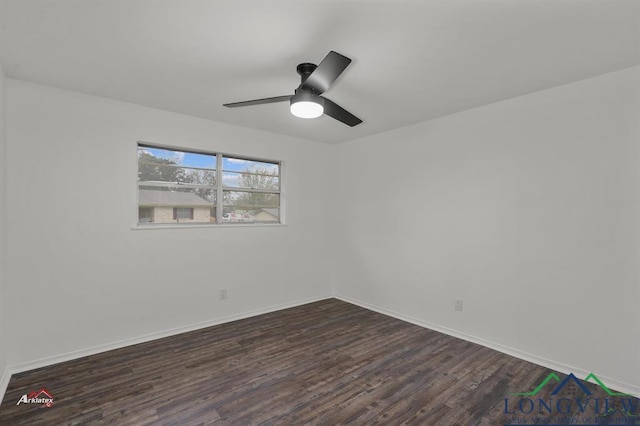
(218, 189)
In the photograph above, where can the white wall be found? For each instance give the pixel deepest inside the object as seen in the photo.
(80, 277)
(4, 347)
(527, 209)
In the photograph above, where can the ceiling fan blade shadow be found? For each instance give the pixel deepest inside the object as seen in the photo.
(326, 73)
(334, 110)
(258, 101)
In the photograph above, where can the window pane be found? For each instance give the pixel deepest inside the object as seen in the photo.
(267, 215)
(246, 206)
(230, 164)
(164, 165)
(179, 158)
(171, 205)
(148, 172)
(154, 195)
(250, 180)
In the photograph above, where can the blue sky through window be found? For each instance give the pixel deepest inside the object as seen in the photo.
(208, 161)
(230, 164)
(181, 158)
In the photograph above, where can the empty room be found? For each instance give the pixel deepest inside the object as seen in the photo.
(279, 212)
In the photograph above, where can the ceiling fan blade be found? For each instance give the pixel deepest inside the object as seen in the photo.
(326, 73)
(336, 111)
(258, 101)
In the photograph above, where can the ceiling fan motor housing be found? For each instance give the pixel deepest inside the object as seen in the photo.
(304, 95)
(305, 69)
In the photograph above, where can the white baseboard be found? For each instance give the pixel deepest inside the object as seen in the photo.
(612, 383)
(4, 382)
(46, 361)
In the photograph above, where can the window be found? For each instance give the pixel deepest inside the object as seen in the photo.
(183, 213)
(145, 214)
(179, 186)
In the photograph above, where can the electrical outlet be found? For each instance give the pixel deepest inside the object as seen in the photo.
(223, 293)
(457, 304)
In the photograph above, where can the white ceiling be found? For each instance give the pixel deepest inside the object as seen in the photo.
(412, 60)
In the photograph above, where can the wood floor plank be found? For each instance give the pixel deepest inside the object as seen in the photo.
(323, 363)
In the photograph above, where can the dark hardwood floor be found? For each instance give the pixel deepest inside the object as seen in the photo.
(327, 362)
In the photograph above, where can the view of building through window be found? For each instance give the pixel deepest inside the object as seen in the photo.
(177, 186)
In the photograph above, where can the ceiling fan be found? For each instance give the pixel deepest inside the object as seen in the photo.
(306, 101)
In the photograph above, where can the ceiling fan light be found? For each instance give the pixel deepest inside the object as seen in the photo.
(306, 109)
(306, 105)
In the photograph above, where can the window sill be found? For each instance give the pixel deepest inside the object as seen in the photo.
(204, 225)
